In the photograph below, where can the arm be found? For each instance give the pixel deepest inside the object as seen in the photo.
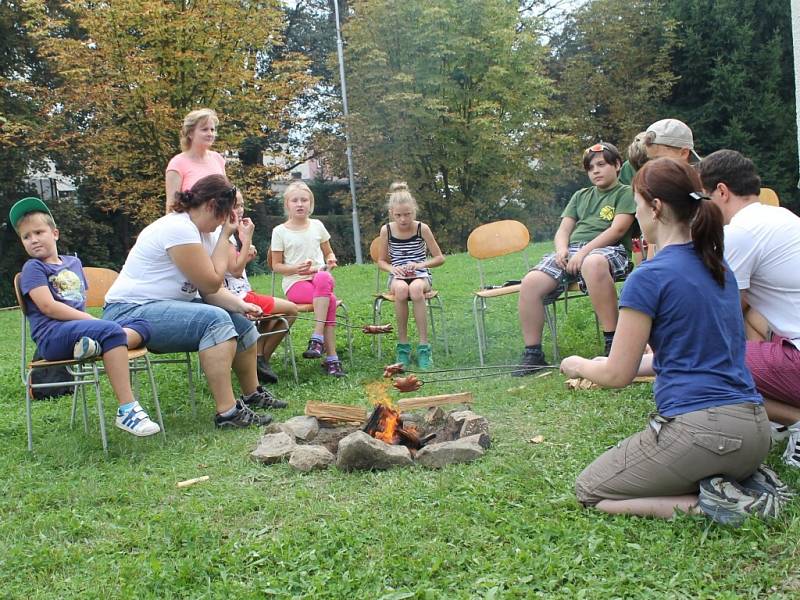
(237, 261)
(52, 308)
(561, 240)
(610, 236)
(173, 182)
(224, 299)
(437, 258)
(622, 365)
(328, 255)
(206, 273)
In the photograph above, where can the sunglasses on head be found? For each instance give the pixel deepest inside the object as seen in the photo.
(596, 148)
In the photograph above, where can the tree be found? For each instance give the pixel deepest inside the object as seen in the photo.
(449, 96)
(131, 69)
(736, 87)
(612, 64)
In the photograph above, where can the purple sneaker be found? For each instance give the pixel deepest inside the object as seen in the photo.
(333, 368)
(314, 349)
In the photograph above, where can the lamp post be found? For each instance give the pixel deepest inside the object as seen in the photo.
(356, 227)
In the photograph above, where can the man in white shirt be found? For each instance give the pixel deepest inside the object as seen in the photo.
(762, 246)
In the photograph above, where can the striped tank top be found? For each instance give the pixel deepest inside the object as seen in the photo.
(404, 251)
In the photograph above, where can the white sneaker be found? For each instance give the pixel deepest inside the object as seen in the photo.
(778, 432)
(791, 456)
(137, 422)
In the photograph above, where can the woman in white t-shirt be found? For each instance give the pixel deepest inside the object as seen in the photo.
(198, 133)
(173, 278)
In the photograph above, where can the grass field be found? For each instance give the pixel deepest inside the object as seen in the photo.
(74, 524)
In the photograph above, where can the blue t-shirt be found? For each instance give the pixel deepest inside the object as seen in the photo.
(697, 333)
(66, 282)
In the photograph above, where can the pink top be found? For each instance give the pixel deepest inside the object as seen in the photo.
(193, 170)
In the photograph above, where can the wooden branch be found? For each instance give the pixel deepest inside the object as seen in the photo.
(336, 412)
(427, 401)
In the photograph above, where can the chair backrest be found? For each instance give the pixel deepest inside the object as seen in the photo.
(99, 280)
(375, 255)
(23, 328)
(18, 294)
(769, 196)
(497, 239)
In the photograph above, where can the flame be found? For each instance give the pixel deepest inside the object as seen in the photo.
(378, 393)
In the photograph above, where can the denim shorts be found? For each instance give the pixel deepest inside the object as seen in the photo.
(672, 455)
(186, 326)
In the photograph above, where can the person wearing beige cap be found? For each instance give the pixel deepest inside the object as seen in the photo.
(671, 138)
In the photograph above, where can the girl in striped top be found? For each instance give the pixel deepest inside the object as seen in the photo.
(405, 245)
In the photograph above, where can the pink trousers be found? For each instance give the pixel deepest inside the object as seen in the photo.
(320, 286)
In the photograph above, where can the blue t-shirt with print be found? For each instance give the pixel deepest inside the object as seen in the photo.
(697, 333)
(66, 282)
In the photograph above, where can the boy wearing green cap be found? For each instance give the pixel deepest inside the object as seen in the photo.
(54, 291)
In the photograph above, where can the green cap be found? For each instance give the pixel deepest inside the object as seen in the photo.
(25, 206)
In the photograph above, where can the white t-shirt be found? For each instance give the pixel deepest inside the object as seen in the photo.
(238, 286)
(297, 246)
(149, 273)
(762, 246)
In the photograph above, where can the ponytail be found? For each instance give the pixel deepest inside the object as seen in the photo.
(676, 184)
(707, 235)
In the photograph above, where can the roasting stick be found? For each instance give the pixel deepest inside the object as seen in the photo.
(476, 368)
(411, 383)
(369, 329)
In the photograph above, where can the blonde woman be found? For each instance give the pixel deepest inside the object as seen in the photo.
(198, 133)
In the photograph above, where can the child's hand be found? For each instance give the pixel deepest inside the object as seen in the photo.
(331, 263)
(304, 268)
(250, 310)
(570, 366)
(230, 224)
(562, 258)
(246, 228)
(574, 264)
(252, 252)
(399, 272)
(411, 268)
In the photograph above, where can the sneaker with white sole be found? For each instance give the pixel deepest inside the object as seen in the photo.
(136, 421)
(725, 501)
(766, 480)
(86, 348)
(778, 432)
(262, 398)
(242, 417)
(791, 456)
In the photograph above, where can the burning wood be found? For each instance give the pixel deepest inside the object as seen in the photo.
(386, 425)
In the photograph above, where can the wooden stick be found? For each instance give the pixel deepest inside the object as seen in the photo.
(427, 401)
(336, 412)
(188, 482)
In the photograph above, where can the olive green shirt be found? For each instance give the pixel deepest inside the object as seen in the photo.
(594, 210)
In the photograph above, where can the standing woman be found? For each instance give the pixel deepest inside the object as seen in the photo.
(197, 160)
(702, 449)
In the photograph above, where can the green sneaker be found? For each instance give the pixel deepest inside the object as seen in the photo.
(403, 354)
(424, 361)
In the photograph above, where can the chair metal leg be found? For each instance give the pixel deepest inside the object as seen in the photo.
(100, 413)
(346, 318)
(74, 409)
(443, 323)
(28, 417)
(287, 341)
(154, 391)
(376, 320)
(551, 318)
(478, 329)
(190, 382)
(85, 410)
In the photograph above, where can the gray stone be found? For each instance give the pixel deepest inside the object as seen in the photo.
(273, 448)
(304, 428)
(474, 424)
(360, 450)
(436, 456)
(278, 428)
(308, 458)
(482, 439)
(330, 436)
(434, 416)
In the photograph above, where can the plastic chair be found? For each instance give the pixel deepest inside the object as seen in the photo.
(433, 301)
(85, 372)
(769, 196)
(100, 280)
(309, 308)
(489, 241)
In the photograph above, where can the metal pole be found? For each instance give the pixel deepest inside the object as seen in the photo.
(356, 228)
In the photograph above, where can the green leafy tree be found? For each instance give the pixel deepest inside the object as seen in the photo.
(612, 65)
(449, 96)
(132, 68)
(736, 86)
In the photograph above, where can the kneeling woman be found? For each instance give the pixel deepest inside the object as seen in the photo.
(710, 432)
(174, 258)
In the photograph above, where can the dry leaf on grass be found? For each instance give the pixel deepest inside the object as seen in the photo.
(537, 439)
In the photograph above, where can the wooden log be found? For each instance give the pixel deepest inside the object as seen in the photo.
(336, 412)
(427, 401)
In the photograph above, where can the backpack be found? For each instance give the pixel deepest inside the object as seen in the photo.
(50, 375)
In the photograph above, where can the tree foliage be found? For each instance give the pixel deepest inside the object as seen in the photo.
(736, 87)
(613, 68)
(449, 96)
(131, 69)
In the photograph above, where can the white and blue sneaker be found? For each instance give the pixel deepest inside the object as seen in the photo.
(86, 348)
(136, 421)
(791, 456)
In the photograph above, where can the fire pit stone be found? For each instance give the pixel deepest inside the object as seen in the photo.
(273, 447)
(309, 457)
(436, 456)
(360, 450)
(304, 428)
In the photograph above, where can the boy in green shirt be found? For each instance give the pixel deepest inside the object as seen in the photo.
(592, 247)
